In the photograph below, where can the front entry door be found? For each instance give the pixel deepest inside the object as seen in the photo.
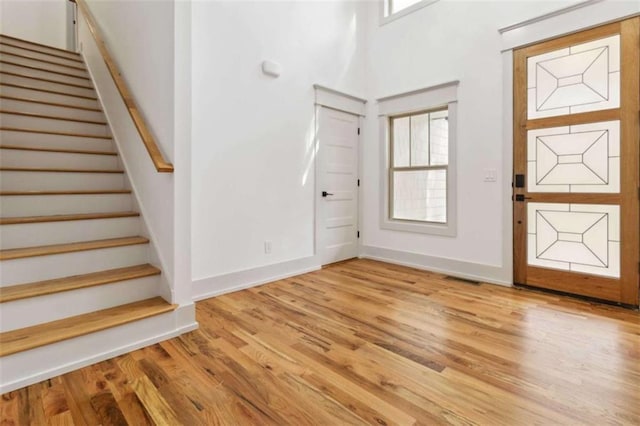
(337, 185)
(576, 208)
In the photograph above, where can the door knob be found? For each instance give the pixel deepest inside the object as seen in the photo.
(325, 193)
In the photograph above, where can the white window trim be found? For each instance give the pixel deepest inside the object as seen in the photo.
(419, 100)
(404, 12)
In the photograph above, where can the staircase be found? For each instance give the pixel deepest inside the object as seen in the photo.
(74, 268)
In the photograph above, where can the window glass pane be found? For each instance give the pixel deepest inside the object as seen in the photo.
(579, 78)
(420, 195)
(401, 142)
(420, 140)
(574, 237)
(397, 5)
(439, 138)
(580, 158)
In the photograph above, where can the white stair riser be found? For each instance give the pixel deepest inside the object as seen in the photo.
(43, 49)
(64, 160)
(25, 368)
(57, 306)
(43, 205)
(30, 72)
(47, 97)
(47, 233)
(58, 111)
(45, 85)
(39, 64)
(50, 125)
(43, 56)
(38, 268)
(59, 181)
(43, 140)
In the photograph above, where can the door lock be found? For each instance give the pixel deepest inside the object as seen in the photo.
(325, 193)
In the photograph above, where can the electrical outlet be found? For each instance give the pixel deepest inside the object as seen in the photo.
(267, 247)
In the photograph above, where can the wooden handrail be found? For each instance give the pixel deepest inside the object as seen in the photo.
(147, 138)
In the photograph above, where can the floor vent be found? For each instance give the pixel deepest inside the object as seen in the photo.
(464, 280)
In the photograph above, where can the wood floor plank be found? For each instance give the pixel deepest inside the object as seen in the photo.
(364, 342)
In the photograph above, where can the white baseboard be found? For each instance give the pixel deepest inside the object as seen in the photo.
(240, 280)
(26, 368)
(453, 267)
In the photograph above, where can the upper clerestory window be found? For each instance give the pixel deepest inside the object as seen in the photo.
(394, 9)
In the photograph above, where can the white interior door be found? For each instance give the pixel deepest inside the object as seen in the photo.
(337, 185)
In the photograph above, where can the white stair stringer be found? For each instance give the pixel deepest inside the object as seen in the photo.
(56, 306)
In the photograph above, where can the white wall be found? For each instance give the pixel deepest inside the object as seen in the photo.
(140, 37)
(253, 175)
(458, 40)
(41, 21)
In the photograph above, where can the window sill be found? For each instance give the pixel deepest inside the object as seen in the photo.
(444, 229)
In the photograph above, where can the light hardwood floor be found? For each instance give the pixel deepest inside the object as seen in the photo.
(365, 342)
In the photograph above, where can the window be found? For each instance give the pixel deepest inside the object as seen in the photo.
(418, 166)
(393, 9)
(418, 160)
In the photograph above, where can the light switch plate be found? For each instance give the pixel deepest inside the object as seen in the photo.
(490, 175)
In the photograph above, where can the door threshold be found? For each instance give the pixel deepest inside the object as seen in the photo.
(575, 296)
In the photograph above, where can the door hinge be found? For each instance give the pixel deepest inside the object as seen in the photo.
(358, 234)
(358, 182)
(358, 130)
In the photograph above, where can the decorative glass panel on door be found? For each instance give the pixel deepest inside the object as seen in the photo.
(581, 158)
(574, 237)
(580, 78)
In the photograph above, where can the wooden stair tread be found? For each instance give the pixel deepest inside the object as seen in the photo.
(42, 52)
(19, 253)
(15, 64)
(64, 151)
(58, 285)
(79, 192)
(48, 132)
(47, 80)
(55, 92)
(64, 217)
(55, 170)
(27, 338)
(37, 101)
(38, 44)
(31, 58)
(51, 117)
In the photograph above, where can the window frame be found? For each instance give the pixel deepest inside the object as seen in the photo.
(430, 99)
(392, 169)
(386, 6)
